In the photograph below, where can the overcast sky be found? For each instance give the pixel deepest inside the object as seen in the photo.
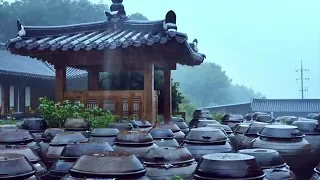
(258, 43)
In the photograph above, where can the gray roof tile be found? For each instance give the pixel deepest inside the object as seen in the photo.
(286, 105)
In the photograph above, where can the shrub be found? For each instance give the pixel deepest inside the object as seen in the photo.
(57, 113)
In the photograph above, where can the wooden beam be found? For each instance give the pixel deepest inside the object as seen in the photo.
(167, 109)
(149, 93)
(60, 82)
(93, 78)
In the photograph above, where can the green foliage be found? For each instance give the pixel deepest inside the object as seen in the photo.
(189, 109)
(4, 122)
(217, 116)
(57, 113)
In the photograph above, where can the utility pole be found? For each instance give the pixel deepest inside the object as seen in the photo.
(302, 79)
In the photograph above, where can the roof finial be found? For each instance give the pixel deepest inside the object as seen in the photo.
(117, 11)
(169, 23)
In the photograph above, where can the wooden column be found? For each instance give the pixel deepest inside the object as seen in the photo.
(167, 102)
(93, 78)
(148, 92)
(60, 82)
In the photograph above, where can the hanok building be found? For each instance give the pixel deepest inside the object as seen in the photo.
(24, 80)
(115, 45)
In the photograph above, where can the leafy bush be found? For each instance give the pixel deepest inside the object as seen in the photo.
(217, 116)
(57, 113)
(3, 122)
(189, 109)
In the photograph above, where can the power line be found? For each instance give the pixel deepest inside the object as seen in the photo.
(302, 79)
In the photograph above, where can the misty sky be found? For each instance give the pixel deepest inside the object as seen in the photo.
(258, 44)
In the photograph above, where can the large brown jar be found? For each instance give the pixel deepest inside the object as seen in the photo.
(47, 136)
(206, 140)
(16, 166)
(239, 134)
(36, 126)
(204, 123)
(77, 125)
(8, 127)
(272, 163)
(104, 135)
(182, 125)
(290, 143)
(178, 134)
(29, 154)
(202, 113)
(163, 138)
(121, 126)
(250, 134)
(141, 124)
(226, 129)
(232, 120)
(135, 142)
(19, 137)
(121, 166)
(168, 162)
(264, 119)
(71, 153)
(57, 145)
(228, 166)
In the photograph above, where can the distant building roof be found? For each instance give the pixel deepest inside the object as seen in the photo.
(16, 65)
(285, 105)
(226, 105)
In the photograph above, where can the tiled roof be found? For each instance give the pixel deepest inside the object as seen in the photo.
(111, 34)
(285, 105)
(23, 66)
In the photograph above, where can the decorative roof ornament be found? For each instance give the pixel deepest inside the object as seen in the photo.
(21, 31)
(195, 45)
(117, 11)
(169, 23)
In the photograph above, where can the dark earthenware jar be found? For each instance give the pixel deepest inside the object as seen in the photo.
(57, 145)
(226, 129)
(177, 119)
(168, 162)
(194, 122)
(203, 123)
(178, 134)
(121, 126)
(256, 114)
(8, 127)
(71, 153)
(312, 135)
(206, 140)
(142, 125)
(46, 137)
(312, 115)
(239, 134)
(272, 163)
(228, 166)
(316, 175)
(16, 166)
(104, 135)
(135, 142)
(19, 137)
(36, 126)
(290, 143)
(264, 119)
(182, 125)
(231, 120)
(69, 177)
(202, 114)
(120, 166)
(249, 136)
(29, 154)
(77, 125)
(163, 137)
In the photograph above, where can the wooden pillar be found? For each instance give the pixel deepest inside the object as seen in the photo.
(93, 78)
(60, 82)
(148, 92)
(167, 102)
